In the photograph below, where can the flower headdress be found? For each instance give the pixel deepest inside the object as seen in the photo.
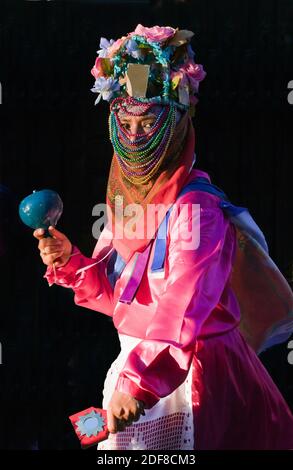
(153, 65)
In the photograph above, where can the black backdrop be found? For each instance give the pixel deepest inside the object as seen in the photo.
(54, 354)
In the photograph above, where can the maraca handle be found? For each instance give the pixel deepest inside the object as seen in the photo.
(46, 233)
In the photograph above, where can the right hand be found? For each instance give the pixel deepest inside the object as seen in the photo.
(123, 410)
(55, 249)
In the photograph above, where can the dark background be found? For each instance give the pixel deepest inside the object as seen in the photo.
(55, 355)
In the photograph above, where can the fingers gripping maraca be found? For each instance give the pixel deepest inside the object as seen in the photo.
(55, 249)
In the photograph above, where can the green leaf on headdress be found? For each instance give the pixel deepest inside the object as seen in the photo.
(175, 82)
(107, 66)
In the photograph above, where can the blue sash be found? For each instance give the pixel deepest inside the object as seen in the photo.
(199, 184)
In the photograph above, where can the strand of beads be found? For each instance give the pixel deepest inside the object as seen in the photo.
(140, 147)
(140, 159)
(143, 144)
(143, 176)
(139, 137)
(128, 105)
(149, 158)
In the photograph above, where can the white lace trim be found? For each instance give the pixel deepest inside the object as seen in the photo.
(166, 426)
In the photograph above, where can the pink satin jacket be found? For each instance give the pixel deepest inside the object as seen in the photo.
(191, 300)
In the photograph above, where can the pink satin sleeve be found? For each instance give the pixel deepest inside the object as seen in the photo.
(88, 280)
(196, 279)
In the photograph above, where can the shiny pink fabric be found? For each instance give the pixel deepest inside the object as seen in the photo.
(192, 306)
(236, 405)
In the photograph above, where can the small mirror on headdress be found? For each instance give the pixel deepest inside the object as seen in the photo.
(137, 76)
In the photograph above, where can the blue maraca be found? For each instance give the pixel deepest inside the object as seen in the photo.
(41, 209)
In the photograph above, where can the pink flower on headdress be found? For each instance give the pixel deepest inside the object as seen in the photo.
(115, 47)
(195, 73)
(192, 72)
(97, 70)
(156, 33)
(102, 67)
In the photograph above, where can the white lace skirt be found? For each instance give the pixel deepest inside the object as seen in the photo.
(166, 426)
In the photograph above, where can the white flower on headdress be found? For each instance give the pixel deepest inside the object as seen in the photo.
(104, 45)
(105, 87)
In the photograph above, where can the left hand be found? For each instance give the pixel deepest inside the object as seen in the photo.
(122, 411)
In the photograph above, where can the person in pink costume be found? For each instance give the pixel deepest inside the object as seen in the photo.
(185, 377)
